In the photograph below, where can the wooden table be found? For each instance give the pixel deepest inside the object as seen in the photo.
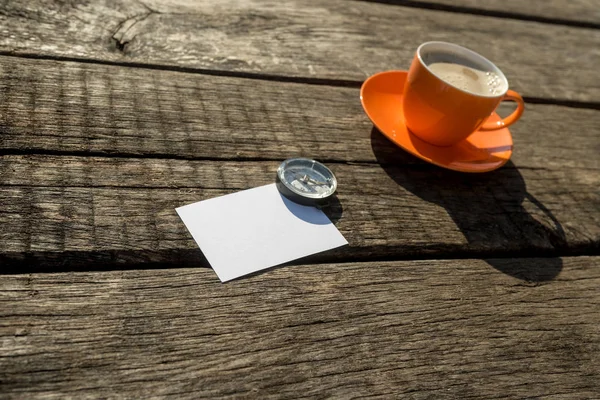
(457, 286)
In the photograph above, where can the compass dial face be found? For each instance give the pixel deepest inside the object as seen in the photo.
(307, 178)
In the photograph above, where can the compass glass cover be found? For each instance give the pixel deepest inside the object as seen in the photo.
(307, 178)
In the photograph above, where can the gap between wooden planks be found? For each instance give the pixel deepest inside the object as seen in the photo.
(578, 13)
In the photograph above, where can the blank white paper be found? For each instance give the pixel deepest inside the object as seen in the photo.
(248, 231)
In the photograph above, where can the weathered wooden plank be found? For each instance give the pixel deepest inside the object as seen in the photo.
(73, 107)
(84, 212)
(572, 10)
(336, 39)
(420, 329)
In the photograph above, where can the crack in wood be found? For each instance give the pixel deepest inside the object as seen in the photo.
(119, 36)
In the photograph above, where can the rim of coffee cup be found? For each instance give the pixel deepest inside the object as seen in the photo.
(468, 54)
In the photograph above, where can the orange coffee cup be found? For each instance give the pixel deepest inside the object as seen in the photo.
(451, 91)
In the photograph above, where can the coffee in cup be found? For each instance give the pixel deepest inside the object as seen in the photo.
(451, 91)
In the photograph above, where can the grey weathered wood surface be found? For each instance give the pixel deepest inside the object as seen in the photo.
(122, 210)
(68, 107)
(176, 101)
(416, 329)
(336, 39)
(557, 11)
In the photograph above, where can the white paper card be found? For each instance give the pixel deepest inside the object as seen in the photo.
(248, 231)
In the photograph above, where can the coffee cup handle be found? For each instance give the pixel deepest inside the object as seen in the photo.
(512, 118)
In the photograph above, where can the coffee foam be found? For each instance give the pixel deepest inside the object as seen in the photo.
(469, 79)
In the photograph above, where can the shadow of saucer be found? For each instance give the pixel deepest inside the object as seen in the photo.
(487, 208)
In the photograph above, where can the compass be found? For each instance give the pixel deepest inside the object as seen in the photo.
(305, 181)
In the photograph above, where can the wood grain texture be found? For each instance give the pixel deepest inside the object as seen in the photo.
(570, 10)
(49, 106)
(94, 159)
(73, 211)
(419, 329)
(336, 39)
(88, 212)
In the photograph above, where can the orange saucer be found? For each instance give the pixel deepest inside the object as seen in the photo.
(381, 97)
